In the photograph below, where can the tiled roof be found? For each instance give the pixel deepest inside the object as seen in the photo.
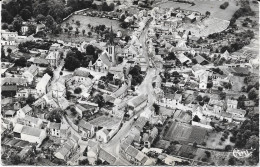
(136, 101)
(104, 155)
(104, 58)
(85, 125)
(26, 109)
(54, 125)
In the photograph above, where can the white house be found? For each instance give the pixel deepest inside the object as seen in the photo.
(86, 129)
(203, 81)
(102, 135)
(41, 86)
(53, 58)
(170, 100)
(54, 129)
(232, 103)
(31, 73)
(30, 134)
(58, 89)
(26, 110)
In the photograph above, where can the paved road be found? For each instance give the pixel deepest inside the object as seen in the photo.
(146, 87)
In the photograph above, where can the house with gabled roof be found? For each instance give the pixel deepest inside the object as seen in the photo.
(102, 63)
(30, 134)
(30, 121)
(106, 157)
(86, 129)
(66, 150)
(30, 73)
(170, 100)
(138, 102)
(26, 110)
(53, 58)
(41, 86)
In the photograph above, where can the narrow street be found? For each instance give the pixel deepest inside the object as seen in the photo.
(145, 88)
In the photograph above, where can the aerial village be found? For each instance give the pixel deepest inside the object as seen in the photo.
(166, 85)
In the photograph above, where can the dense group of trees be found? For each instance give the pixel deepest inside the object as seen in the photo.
(247, 136)
(137, 78)
(26, 46)
(244, 10)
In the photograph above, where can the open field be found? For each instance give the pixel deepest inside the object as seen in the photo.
(93, 21)
(210, 5)
(214, 141)
(178, 131)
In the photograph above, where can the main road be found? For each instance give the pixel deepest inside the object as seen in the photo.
(146, 87)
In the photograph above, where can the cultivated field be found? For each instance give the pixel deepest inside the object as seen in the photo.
(178, 131)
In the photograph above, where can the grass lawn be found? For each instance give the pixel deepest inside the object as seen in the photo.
(210, 5)
(84, 21)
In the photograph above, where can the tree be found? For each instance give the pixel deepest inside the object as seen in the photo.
(30, 99)
(196, 118)
(48, 71)
(83, 32)
(17, 23)
(78, 23)
(20, 62)
(84, 162)
(222, 95)
(156, 108)
(252, 94)
(77, 90)
(39, 18)
(49, 22)
(231, 161)
(206, 99)
(207, 13)
(228, 148)
(199, 98)
(90, 50)
(55, 115)
(194, 145)
(220, 88)
(6, 16)
(71, 63)
(15, 159)
(31, 29)
(89, 33)
(25, 14)
(4, 26)
(122, 18)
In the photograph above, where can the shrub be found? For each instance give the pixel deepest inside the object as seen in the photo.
(232, 139)
(77, 91)
(224, 5)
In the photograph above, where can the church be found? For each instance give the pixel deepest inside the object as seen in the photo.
(107, 58)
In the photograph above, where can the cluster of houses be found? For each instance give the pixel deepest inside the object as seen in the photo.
(176, 89)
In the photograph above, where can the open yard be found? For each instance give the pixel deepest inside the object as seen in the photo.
(105, 121)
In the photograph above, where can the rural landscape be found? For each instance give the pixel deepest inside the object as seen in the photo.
(130, 82)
